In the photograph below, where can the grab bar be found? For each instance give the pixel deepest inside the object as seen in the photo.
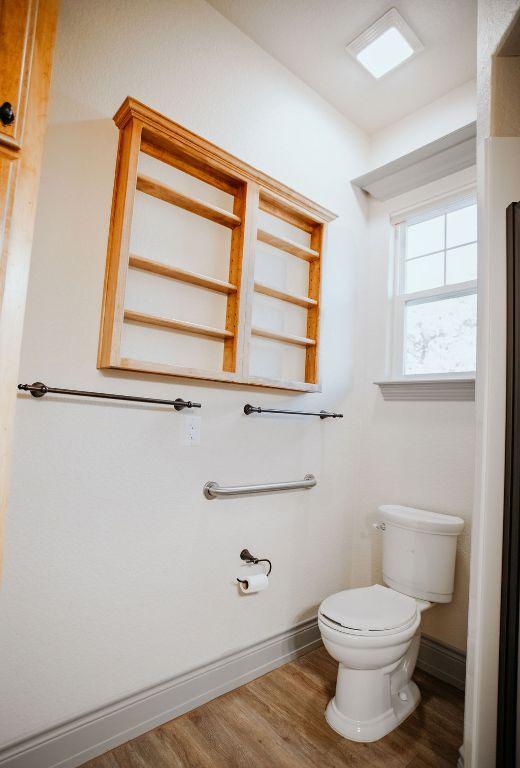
(213, 490)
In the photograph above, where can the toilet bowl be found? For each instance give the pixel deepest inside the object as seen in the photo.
(376, 644)
(374, 632)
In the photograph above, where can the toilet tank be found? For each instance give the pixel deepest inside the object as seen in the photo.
(419, 550)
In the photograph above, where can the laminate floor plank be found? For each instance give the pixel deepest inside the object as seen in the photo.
(276, 721)
(288, 702)
(303, 742)
(190, 745)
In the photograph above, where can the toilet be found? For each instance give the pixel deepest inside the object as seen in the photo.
(374, 632)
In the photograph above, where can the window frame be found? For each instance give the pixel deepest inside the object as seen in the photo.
(399, 221)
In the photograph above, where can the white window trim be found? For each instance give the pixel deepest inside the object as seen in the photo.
(441, 386)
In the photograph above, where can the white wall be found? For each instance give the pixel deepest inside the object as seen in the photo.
(494, 17)
(445, 115)
(415, 453)
(118, 573)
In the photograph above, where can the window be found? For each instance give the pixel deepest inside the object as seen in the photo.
(435, 305)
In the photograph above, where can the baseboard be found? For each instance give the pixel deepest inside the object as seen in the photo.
(72, 744)
(442, 661)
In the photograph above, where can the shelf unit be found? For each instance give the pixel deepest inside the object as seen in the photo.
(141, 129)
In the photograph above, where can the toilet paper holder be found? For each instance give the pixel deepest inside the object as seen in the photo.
(249, 558)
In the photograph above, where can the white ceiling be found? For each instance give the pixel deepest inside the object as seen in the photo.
(309, 38)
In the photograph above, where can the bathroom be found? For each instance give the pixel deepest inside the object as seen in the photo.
(120, 608)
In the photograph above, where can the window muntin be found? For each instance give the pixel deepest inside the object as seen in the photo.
(436, 292)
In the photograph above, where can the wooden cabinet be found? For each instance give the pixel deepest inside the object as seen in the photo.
(17, 28)
(27, 30)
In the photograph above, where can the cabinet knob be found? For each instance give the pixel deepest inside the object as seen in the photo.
(6, 113)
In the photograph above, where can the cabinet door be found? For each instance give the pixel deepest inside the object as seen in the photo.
(8, 168)
(17, 25)
(27, 29)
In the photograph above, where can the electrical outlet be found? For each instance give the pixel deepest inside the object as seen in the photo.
(191, 431)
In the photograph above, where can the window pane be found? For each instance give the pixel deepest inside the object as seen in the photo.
(461, 264)
(425, 272)
(425, 237)
(461, 226)
(440, 336)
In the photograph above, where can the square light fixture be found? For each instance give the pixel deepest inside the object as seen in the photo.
(385, 44)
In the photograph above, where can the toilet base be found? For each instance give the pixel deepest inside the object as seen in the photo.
(376, 728)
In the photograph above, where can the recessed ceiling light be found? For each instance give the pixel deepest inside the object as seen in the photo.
(385, 44)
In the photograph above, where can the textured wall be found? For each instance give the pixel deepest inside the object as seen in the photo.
(452, 111)
(494, 18)
(119, 574)
(415, 453)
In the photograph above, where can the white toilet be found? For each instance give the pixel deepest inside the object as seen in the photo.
(374, 632)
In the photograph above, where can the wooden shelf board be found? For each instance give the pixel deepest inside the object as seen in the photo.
(287, 338)
(292, 214)
(301, 301)
(158, 146)
(177, 325)
(165, 369)
(194, 278)
(289, 246)
(169, 195)
(298, 386)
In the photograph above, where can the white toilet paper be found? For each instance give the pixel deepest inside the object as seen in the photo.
(255, 583)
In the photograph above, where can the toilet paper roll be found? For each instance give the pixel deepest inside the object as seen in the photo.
(255, 583)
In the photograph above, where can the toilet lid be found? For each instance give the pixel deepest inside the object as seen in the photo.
(366, 609)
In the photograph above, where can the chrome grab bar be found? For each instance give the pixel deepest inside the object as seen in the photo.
(213, 490)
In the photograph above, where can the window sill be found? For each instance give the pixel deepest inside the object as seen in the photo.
(427, 389)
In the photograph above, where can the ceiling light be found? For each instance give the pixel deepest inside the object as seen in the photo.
(385, 44)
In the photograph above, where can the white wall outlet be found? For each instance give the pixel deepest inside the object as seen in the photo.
(191, 429)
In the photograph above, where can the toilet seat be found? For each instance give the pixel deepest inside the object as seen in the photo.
(369, 611)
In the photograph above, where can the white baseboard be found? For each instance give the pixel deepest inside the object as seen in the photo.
(442, 661)
(72, 744)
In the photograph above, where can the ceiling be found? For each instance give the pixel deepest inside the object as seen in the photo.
(309, 37)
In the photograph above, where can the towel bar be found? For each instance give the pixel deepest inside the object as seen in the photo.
(248, 409)
(39, 390)
(213, 490)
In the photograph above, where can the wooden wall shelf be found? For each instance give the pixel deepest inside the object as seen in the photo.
(286, 338)
(177, 325)
(289, 246)
(301, 301)
(169, 195)
(142, 130)
(147, 265)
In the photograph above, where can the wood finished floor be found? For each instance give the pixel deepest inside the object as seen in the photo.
(277, 721)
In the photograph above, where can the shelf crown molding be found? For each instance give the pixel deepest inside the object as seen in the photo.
(216, 157)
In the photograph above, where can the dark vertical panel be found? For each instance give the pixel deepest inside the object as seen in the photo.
(509, 611)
